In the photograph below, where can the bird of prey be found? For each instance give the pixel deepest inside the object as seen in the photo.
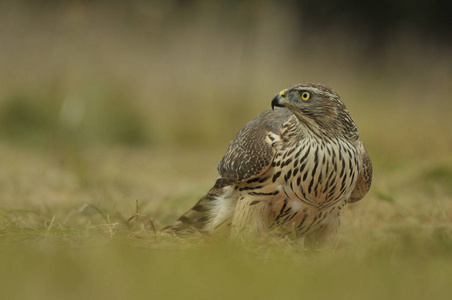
(289, 171)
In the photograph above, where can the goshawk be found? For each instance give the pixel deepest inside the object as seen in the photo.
(289, 171)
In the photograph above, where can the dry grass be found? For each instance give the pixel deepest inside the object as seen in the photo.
(63, 237)
(103, 108)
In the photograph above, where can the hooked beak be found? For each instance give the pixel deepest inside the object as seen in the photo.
(279, 100)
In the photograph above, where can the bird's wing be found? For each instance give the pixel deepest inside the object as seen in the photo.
(252, 150)
(365, 174)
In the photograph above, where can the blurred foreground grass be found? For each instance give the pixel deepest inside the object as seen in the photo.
(62, 236)
(100, 111)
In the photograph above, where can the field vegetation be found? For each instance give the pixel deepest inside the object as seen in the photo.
(114, 117)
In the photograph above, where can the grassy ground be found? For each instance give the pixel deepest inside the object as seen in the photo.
(112, 126)
(72, 236)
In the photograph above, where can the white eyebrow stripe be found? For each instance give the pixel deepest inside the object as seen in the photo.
(316, 91)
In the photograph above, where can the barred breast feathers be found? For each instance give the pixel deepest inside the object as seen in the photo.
(315, 170)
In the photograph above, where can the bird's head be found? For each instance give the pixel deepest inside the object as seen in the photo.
(318, 107)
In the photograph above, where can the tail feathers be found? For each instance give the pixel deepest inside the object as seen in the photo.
(197, 217)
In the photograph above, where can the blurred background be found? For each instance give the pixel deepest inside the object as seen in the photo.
(114, 115)
(88, 86)
(192, 72)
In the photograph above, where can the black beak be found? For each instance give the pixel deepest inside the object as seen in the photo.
(277, 101)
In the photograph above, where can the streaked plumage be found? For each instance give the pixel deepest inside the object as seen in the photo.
(289, 171)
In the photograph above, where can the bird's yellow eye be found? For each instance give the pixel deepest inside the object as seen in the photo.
(305, 96)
